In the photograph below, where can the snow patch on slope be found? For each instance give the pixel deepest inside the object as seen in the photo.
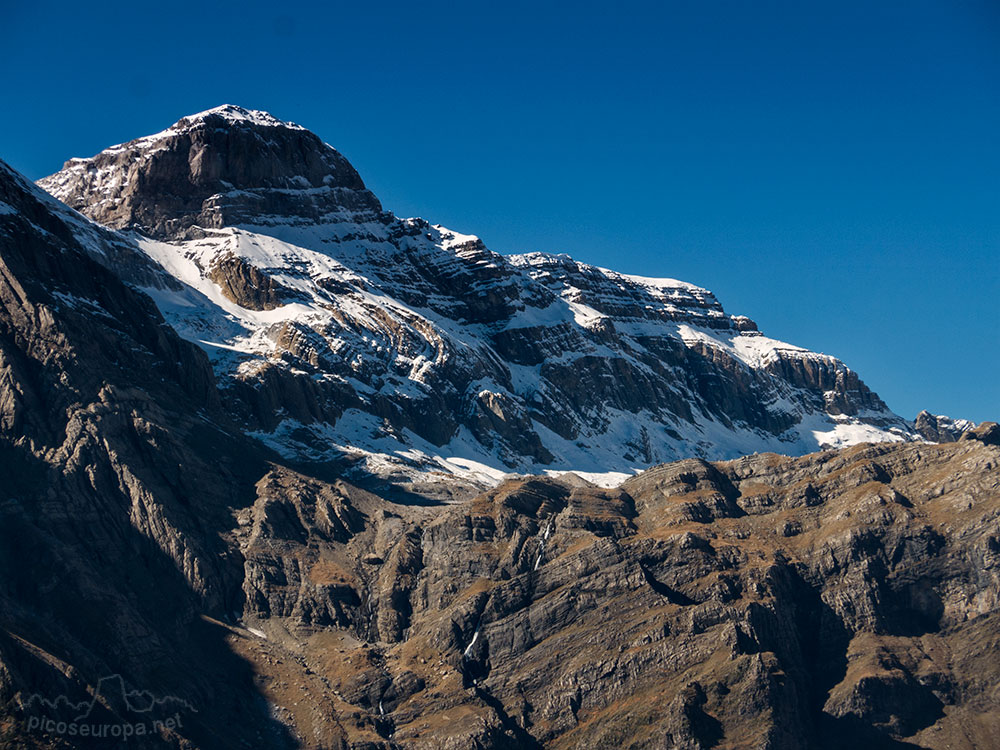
(374, 326)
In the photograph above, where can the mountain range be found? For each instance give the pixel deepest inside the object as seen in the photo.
(341, 332)
(298, 473)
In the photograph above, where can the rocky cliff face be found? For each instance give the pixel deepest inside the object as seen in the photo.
(842, 598)
(178, 570)
(940, 429)
(120, 471)
(342, 333)
(223, 167)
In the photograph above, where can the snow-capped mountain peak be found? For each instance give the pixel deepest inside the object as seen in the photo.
(340, 330)
(238, 115)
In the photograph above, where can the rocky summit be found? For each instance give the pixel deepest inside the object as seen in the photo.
(404, 350)
(281, 470)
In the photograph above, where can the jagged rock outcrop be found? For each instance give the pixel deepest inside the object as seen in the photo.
(987, 432)
(342, 332)
(940, 429)
(246, 285)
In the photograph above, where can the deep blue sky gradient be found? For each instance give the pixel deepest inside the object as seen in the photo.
(831, 169)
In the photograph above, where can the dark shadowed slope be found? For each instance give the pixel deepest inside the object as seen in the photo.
(117, 484)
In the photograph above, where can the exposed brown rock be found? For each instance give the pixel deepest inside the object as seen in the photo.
(245, 284)
(764, 602)
(987, 432)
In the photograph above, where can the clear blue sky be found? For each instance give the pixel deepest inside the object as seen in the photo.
(831, 169)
